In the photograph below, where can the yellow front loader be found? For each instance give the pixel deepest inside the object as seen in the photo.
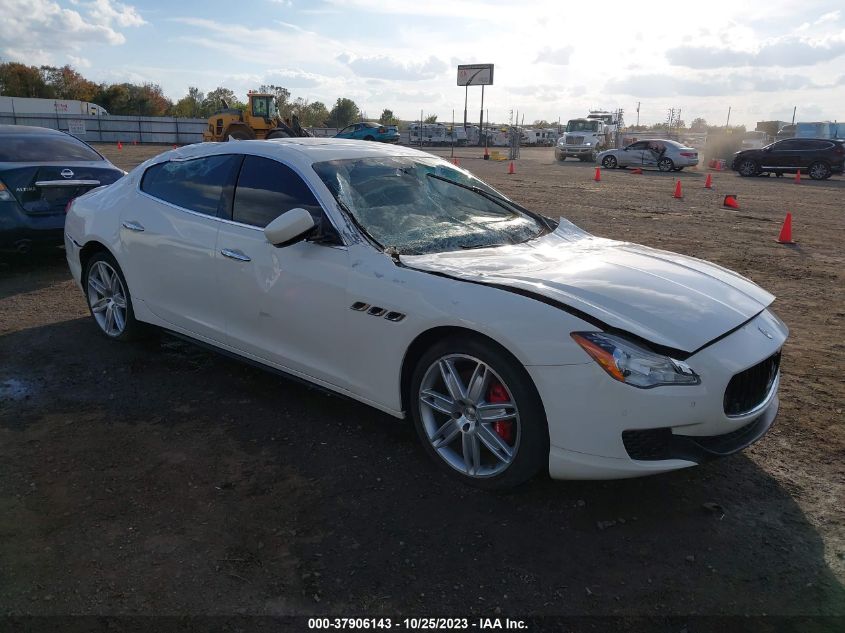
(260, 120)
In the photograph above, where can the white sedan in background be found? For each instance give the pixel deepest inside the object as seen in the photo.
(663, 154)
(514, 342)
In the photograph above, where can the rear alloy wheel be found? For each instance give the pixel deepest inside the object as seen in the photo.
(665, 164)
(819, 171)
(748, 168)
(108, 298)
(478, 414)
(609, 162)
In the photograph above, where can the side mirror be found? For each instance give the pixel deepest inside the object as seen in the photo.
(289, 227)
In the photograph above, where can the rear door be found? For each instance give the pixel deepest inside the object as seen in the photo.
(285, 305)
(169, 235)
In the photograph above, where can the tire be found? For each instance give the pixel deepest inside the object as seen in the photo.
(610, 162)
(678, 169)
(489, 453)
(748, 167)
(665, 164)
(369, 138)
(277, 134)
(108, 299)
(819, 171)
(239, 134)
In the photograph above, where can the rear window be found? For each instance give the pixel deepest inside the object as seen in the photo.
(195, 184)
(31, 148)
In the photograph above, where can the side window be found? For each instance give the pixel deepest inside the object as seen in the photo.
(195, 184)
(787, 146)
(266, 189)
(639, 145)
(819, 145)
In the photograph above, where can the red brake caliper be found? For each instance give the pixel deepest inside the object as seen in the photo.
(504, 428)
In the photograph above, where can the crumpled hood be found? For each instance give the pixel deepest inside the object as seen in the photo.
(665, 298)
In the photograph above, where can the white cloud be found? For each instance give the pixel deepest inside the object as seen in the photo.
(384, 67)
(785, 52)
(44, 32)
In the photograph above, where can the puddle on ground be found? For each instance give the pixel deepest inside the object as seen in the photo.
(14, 389)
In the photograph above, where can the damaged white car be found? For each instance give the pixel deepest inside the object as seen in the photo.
(514, 342)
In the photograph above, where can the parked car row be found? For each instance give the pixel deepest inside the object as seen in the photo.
(816, 157)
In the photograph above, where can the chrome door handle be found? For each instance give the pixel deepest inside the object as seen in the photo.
(235, 254)
(133, 226)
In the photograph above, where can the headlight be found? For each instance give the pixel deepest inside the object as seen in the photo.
(630, 363)
(588, 143)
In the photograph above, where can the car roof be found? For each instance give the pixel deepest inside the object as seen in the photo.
(29, 129)
(300, 150)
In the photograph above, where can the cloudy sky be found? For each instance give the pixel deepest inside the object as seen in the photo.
(552, 58)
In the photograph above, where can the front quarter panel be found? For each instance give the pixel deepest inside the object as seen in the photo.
(534, 332)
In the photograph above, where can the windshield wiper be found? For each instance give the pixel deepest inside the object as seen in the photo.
(497, 199)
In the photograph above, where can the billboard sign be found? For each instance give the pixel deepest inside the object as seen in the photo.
(475, 75)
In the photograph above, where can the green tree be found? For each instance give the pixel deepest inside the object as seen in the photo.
(431, 118)
(344, 112)
(66, 83)
(19, 80)
(387, 118)
(215, 100)
(698, 125)
(191, 104)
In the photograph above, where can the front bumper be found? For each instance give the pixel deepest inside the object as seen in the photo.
(591, 419)
(576, 150)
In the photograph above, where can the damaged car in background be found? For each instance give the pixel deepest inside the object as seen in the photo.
(661, 153)
(514, 342)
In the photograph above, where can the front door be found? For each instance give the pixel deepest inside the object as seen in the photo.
(286, 305)
(632, 156)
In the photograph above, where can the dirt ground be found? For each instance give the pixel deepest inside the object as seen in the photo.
(162, 478)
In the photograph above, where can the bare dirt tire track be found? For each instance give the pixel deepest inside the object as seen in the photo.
(154, 477)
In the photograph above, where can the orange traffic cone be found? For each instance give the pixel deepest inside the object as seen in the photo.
(486, 153)
(511, 170)
(798, 177)
(678, 193)
(708, 184)
(119, 145)
(785, 236)
(455, 161)
(636, 170)
(597, 177)
(174, 146)
(730, 202)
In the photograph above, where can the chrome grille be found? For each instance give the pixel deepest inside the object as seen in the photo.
(749, 388)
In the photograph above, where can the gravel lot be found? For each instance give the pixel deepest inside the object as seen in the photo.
(162, 478)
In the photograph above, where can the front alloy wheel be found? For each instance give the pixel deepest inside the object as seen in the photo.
(478, 414)
(609, 162)
(747, 168)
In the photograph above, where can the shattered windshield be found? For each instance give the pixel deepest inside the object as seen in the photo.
(582, 126)
(423, 205)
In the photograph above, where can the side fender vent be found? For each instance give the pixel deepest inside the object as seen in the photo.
(376, 311)
(394, 316)
(360, 306)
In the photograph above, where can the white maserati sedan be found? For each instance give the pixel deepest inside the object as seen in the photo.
(514, 342)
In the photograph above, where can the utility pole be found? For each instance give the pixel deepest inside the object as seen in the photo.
(481, 115)
(728, 122)
(638, 114)
(793, 114)
(466, 97)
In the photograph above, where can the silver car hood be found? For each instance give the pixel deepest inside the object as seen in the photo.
(668, 299)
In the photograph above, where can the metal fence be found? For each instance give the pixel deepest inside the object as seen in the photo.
(111, 129)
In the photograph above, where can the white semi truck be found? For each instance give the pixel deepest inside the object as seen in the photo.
(26, 105)
(585, 138)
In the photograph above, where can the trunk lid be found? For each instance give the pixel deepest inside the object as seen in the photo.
(46, 189)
